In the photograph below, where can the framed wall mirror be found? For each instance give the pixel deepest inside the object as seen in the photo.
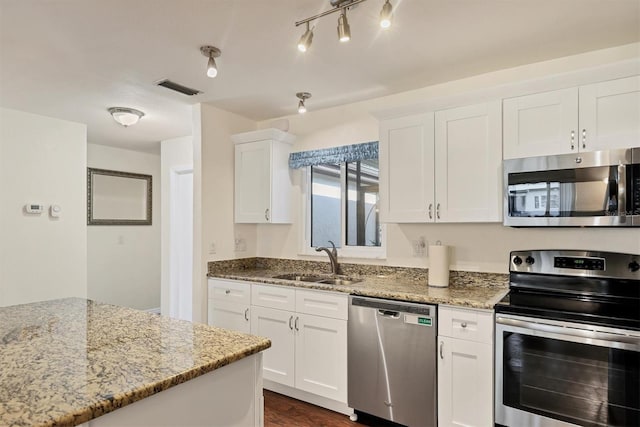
(118, 198)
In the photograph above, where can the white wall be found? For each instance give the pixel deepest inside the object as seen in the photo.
(478, 247)
(214, 228)
(42, 160)
(174, 153)
(123, 261)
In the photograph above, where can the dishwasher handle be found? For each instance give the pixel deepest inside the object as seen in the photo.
(389, 313)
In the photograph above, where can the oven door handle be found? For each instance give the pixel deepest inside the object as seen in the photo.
(628, 340)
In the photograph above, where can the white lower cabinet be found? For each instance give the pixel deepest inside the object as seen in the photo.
(308, 351)
(307, 329)
(465, 367)
(229, 305)
(321, 356)
(230, 315)
(278, 360)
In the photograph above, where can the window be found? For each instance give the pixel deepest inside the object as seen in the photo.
(342, 206)
(341, 199)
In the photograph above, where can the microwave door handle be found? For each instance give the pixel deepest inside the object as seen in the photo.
(622, 190)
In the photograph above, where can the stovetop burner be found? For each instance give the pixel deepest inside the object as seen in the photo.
(600, 288)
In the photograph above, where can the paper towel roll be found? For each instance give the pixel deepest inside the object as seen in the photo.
(439, 266)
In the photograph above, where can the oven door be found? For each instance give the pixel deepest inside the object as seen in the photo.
(552, 373)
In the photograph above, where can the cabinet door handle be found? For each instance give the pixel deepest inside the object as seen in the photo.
(266, 214)
(584, 138)
(291, 323)
(442, 350)
(296, 324)
(430, 210)
(246, 315)
(463, 324)
(228, 291)
(573, 139)
(438, 211)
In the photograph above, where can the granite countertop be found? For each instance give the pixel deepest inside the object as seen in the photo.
(466, 289)
(65, 362)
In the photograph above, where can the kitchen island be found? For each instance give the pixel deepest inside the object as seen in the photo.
(72, 361)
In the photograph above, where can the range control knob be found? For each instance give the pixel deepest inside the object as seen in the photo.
(634, 266)
(517, 260)
(529, 260)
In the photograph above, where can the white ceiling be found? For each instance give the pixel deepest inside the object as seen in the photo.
(72, 59)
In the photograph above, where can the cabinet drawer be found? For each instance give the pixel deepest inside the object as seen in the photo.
(325, 304)
(280, 297)
(230, 290)
(466, 324)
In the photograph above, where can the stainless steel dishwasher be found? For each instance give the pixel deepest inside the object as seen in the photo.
(392, 360)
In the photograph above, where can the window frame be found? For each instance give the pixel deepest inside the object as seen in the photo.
(344, 251)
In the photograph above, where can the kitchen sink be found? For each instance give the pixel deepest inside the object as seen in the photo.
(300, 277)
(337, 281)
(318, 279)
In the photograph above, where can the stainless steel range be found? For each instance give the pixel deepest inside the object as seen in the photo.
(568, 340)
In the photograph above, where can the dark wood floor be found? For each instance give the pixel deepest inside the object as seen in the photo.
(283, 411)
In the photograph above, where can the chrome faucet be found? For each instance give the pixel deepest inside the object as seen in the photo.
(333, 257)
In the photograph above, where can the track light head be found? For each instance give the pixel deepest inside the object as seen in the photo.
(302, 96)
(385, 14)
(211, 52)
(305, 40)
(344, 32)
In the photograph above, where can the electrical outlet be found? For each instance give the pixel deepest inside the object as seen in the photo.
(419, 247)
(240, 245)
(212, 248)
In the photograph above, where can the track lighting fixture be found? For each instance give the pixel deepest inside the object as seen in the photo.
(344, 32)
(125, 116)
(385, 14)
(302, 96)
(211, 52)
(305, 40)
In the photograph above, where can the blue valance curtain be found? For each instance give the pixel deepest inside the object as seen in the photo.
(334, 155)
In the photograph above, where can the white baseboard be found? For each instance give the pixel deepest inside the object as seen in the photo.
(155, 310)
(314, 399)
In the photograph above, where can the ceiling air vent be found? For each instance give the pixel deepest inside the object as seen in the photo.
(177, 87)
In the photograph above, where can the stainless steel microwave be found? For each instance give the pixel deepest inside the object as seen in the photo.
(593, 189)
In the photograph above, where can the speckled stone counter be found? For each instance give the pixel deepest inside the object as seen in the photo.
(67, 361)
(467, 289)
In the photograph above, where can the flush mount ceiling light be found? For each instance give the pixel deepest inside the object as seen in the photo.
(125, 116)
(211, 52)
(303, 96)
(344, 31)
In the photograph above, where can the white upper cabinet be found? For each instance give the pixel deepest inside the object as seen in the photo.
(406, 169)
(468, 178)
(610, 114)
(593, 117)
(262, 177)
(442, 167)
(541, 124)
